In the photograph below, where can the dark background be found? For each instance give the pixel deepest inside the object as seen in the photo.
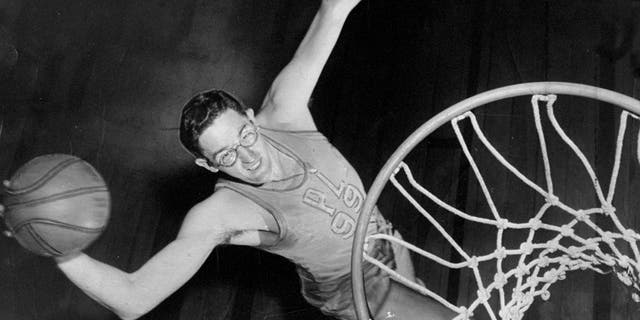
(106, 80)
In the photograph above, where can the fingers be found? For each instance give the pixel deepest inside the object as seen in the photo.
(6, 184)
(6, 233)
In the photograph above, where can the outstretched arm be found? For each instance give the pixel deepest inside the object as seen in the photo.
(222, 218)
(285, 105)
(130, 295)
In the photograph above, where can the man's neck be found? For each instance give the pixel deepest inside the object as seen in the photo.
(284, 166)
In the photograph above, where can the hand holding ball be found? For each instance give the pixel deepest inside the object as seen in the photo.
(56, 205)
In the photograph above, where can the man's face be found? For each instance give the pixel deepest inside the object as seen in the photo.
(230, 134)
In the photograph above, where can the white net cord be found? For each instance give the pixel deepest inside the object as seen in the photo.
(539, 264)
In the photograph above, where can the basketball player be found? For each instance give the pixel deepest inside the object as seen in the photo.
(284, 188)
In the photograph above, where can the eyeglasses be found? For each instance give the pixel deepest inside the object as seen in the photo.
(228, 156)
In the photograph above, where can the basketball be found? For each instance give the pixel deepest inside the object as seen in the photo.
(56, 204)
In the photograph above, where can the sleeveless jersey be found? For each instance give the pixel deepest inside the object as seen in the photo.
(317, 219)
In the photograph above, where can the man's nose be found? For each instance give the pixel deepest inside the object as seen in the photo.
(246, 154)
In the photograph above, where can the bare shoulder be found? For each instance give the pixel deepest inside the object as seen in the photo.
(277, 115)
(226, 211)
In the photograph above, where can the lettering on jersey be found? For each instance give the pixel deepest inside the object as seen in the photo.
(342, 224)
(336, 189)
(353, 198)
(317, 199)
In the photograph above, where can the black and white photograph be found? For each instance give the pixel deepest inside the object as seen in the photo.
(319, 159)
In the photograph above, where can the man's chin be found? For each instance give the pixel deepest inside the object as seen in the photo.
(260, 174)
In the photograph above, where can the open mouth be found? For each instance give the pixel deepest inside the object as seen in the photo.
(254, 165)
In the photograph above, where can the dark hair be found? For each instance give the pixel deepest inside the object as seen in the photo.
(198, 114)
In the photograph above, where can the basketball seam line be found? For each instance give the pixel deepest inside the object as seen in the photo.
(46, 177)
(58, 224)
(41, 242)
(58, 196)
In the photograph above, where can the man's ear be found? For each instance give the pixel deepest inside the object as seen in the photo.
(205, 164)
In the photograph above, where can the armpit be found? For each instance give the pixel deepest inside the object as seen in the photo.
(252, 238)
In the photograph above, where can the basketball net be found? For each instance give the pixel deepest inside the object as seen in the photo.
(539, 264)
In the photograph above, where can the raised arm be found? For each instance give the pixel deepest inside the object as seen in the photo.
(286, 104)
